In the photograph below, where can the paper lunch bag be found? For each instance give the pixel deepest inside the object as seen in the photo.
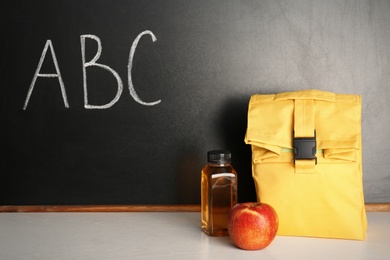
(307, 161)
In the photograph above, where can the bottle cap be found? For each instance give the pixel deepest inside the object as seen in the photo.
(219, 156)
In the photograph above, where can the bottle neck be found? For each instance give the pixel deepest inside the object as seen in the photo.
(218, 164)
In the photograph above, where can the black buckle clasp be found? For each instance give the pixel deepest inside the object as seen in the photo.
(305, 148)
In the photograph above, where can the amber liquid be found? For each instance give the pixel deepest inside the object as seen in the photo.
(219, 195)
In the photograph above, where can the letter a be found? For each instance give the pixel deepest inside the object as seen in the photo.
(55, 75)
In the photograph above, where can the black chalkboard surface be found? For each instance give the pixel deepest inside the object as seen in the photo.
(114, 102)
(118, 102)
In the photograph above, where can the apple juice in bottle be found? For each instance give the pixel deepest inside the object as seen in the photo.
(218, 192)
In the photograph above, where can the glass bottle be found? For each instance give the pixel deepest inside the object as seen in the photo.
(218, 192)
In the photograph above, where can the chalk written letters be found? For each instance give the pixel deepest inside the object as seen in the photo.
(91, 63)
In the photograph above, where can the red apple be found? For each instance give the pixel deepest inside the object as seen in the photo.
(252, 225)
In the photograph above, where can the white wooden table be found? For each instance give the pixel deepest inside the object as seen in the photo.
(168, 235)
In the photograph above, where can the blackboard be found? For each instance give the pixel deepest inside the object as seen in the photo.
(118, 102)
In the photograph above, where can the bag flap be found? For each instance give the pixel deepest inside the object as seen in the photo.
(337, 120)
(307, 94)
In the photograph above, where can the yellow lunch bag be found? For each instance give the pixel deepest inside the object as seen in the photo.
(307, 161)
